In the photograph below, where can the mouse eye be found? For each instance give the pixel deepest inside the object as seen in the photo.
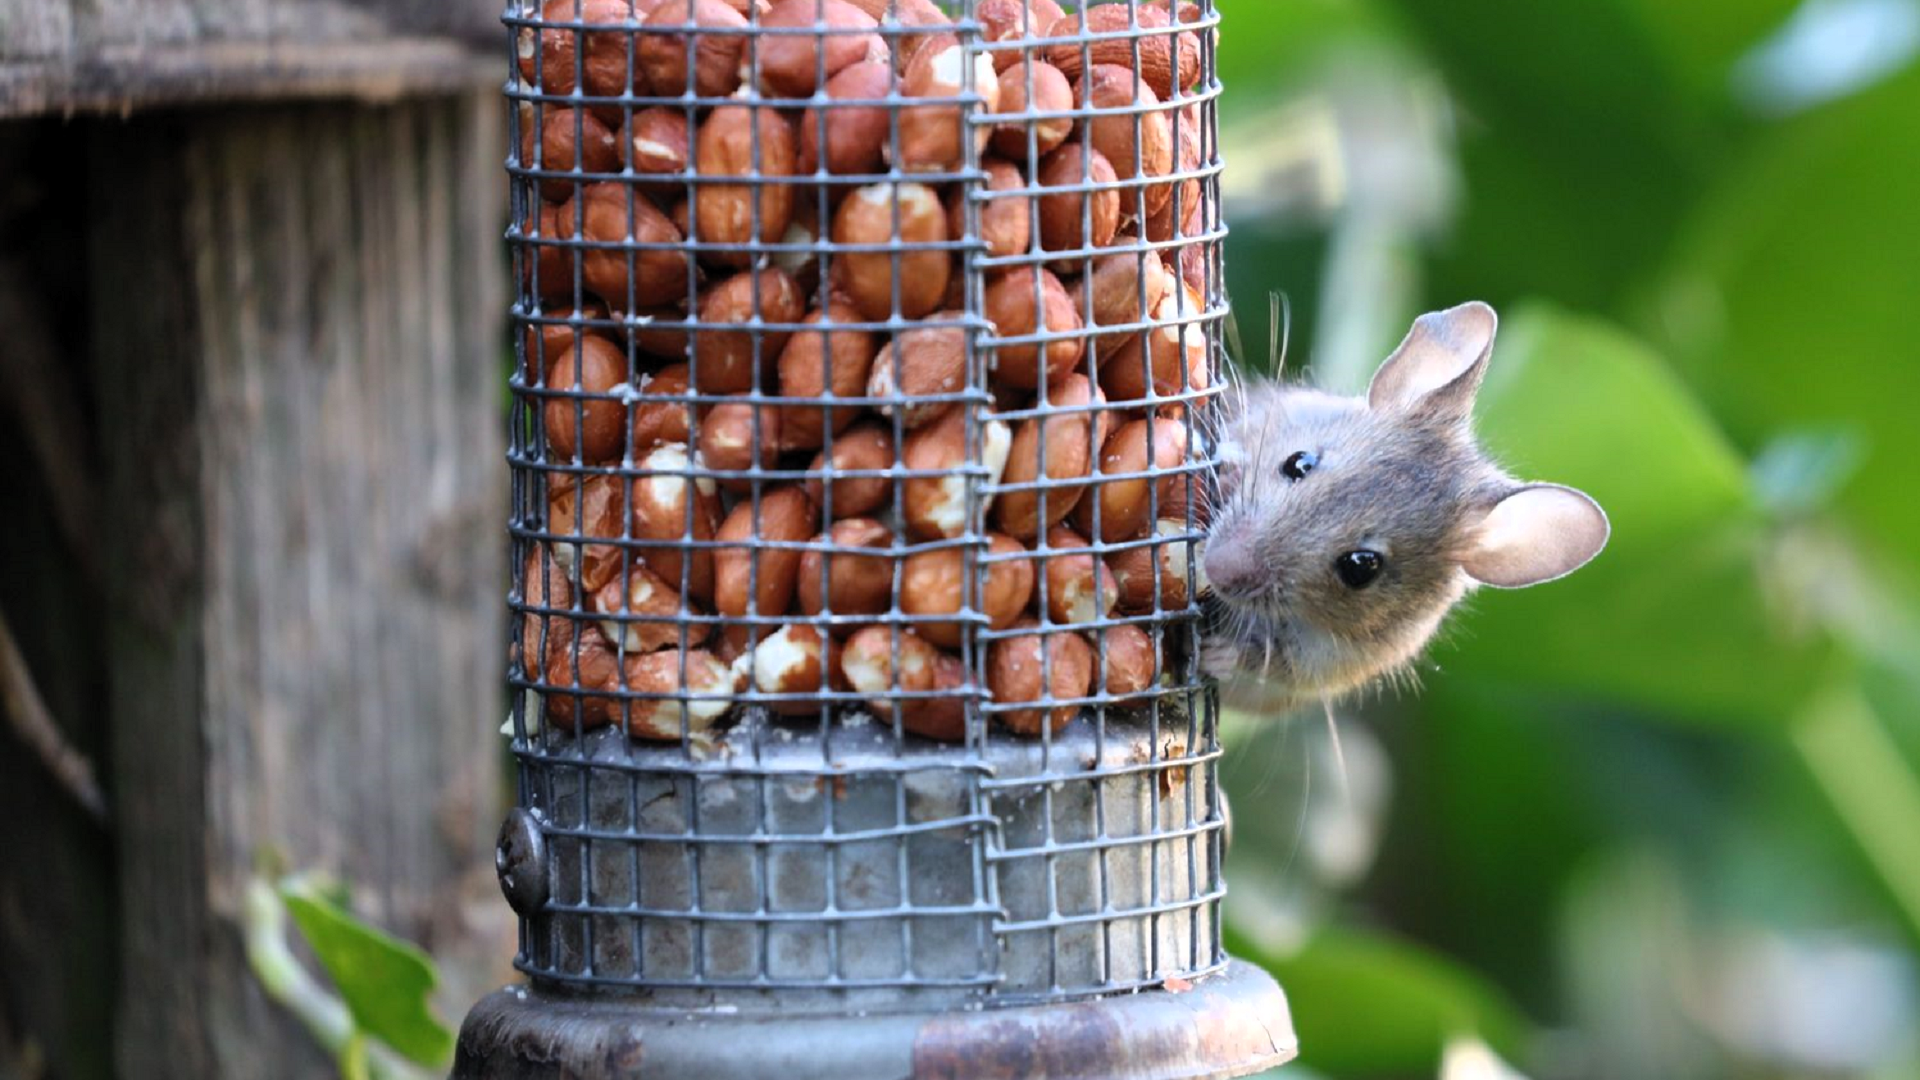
(1358, 568)
(1299, 464)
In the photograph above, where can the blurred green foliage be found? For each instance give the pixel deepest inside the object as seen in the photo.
(384, 981)
(1660, 819)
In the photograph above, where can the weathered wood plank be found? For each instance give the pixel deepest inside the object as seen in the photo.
(306, 460)
(123, 79)
(35, 29)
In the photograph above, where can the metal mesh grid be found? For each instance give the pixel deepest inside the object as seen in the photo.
(721, 214)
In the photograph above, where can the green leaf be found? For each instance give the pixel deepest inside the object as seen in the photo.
(1672, 615)
(1264, 45)
(1789, 300)
(1582, 147)
(1576, 399)
(1701, 40)
(384, 980)
(1367, 1005)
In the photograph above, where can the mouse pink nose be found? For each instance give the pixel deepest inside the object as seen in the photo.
(1233, 566)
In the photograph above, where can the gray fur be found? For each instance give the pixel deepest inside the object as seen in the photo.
(1399, 474)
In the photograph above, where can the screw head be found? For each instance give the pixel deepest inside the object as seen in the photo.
(521, 861)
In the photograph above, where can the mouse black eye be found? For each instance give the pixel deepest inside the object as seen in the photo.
(1358, 568)
(1299, 464)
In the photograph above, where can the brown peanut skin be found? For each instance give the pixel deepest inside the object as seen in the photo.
(1015, 675)
(1130, 660)
(866, 446)
(593, 428)
(869, 278)
(1010, 308)
(544, 584)
(558, 62)
(1051, 93)
(815, 361)
(596, 510)
(617, 214)
(1011, 22)
(1006, 220)
(933, 137)
(1133, 573)
(923, 362)
(1157, 58)
(790, 63)
(736, 436)
(1063, 224)
(1080, 588)
(874, 648)
(1121, 138)
(576, 653)
(854, 584)
(856, 134)
(786, 516)
(658, 417)
(660, 53)
(662, 146)
(1117, 283)
(724, 361)
(1125, 505)
(943, 718)
(547, 265)
(1070, 439)
(547, 340)
(935, 583)
(562, 134)
(660, 514)
(639, 591)
(724, 213)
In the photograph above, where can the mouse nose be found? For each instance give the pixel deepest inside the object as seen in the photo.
(1233, 566)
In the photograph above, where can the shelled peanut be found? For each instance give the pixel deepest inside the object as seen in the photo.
(747, 264)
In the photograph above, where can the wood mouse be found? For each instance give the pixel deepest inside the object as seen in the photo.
(1343, 529)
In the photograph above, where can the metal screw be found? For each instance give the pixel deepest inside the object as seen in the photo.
(521, 861)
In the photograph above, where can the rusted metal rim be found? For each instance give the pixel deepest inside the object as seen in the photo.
(1233, 1024)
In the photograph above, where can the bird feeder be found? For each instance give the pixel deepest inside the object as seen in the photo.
(859, 445)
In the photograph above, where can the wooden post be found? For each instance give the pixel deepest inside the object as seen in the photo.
(292, 357)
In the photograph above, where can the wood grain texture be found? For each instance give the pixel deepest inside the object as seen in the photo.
(63, 56)
(30, 30)
(300, 310)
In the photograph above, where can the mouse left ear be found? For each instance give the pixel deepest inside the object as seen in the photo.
(1538, 532)
(1440, 364)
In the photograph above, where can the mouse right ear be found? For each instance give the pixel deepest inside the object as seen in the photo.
(1440, 364)
(1536, 533)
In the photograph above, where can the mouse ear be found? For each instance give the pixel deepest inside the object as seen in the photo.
(1538, 532)
(1440, 364)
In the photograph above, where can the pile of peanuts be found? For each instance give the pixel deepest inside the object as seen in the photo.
(770, 471)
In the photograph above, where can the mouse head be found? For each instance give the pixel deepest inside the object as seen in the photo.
(1345, 528)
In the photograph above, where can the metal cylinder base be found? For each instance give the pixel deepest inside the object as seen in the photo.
(1232, 1024)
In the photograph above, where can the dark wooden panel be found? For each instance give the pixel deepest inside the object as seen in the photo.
(57, 902)
(302, 308)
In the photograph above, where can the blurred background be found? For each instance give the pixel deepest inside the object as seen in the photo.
(1660, 819)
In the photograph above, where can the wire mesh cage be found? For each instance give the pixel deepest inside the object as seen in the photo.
(859, 446)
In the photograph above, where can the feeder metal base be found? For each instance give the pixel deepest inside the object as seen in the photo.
(1233, 1024)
